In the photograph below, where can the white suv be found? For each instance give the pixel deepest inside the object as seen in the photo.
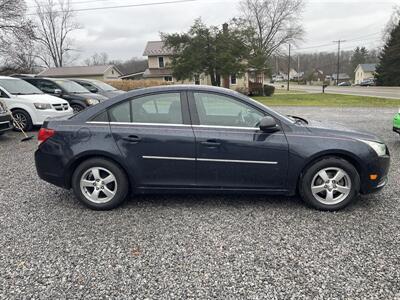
(29, 105)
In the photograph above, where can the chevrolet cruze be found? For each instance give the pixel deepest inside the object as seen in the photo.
(187, 139)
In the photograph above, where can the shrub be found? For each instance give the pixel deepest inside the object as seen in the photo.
(127, 85)
(269, 90)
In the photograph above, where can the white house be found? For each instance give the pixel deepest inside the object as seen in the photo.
(363, 72)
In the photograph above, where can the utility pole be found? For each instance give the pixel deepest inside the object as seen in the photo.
(298, 69)
(338, 60)
(288, 73)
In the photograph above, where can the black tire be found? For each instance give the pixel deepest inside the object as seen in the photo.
(77, 107)
(310, 174)
(26, 120)
(121, 183)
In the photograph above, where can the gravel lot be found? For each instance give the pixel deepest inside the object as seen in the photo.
(174, 247)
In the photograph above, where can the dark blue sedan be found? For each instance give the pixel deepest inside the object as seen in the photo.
(205, 139)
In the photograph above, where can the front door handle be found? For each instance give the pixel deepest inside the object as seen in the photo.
(132, 139)
(211, 143)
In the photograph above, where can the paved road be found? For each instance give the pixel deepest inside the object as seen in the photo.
(198, 247)
(383, 92)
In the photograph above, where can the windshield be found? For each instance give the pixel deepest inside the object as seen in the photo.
(72, 87)
(19, 87)
(102, 86)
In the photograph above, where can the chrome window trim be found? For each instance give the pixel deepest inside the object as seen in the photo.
(138, 124)
(212, 160)
(225, 127)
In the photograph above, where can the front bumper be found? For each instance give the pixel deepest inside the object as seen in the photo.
(380, 166)
(42, 115)
(5, 123)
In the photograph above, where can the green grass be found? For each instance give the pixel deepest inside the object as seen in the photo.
(332, 100)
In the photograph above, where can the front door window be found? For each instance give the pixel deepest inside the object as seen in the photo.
(217, 110)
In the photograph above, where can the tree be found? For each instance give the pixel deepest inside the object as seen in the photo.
(268, 25)
(55, 25)
(388, 70)
(393, 21)
(360, 56)
(210, 50)
(12, 19)
(97, 59)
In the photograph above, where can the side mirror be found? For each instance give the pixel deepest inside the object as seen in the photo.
(57, 92)
(93, 90)
(268, 124)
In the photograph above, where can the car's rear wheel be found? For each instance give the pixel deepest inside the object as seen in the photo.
(330, 184)
(100, 184)
(22, 120)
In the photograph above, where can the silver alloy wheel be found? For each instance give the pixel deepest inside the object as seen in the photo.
(331, 186)
(21, 119)
(76, 108)
(98, 185)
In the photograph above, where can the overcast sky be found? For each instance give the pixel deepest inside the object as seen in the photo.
(123, 32)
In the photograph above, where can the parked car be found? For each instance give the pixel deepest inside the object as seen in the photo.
(344, 83)
(98, 87)
(368, 82)
(396, 123)
(205, 139)
(5, 118)
(29, 105)
(78, 97)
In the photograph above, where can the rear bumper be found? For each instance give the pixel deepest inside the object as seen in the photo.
(5, 123)
(380, 166)
(42, 115)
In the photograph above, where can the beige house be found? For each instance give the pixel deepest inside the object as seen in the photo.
(105, 72)
(159, 61)
(363, 72)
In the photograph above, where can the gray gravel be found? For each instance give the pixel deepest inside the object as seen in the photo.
(174, 247)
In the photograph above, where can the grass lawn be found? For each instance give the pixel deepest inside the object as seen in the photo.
(327, 100)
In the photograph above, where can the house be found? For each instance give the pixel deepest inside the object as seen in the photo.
(363, 72)
(104, 72)
(343, 77)
(159, 68)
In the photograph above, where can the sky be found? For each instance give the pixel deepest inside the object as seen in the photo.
(122, 33)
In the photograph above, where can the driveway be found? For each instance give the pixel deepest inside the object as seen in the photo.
(383, 92)
(198, 246)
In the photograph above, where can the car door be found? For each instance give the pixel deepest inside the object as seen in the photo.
(154, 135)
(231, 151)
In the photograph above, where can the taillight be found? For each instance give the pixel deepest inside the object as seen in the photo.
(44, 134)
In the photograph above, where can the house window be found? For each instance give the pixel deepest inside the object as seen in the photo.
(197, 79)
(161, 62)
(168, 78)
(233, 79)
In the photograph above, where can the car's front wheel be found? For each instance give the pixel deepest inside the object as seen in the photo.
(100, 184)
(77, 107)
(330, 184)
(22, 120)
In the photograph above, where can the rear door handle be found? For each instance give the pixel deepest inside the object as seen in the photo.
(211, 143)
(132, 139)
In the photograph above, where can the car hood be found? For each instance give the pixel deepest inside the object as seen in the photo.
(91, 96)
(41, 98)
(338, 129)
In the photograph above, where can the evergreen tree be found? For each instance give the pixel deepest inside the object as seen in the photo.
(388, 70)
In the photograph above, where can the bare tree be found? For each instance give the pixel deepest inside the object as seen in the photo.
(392, 23)
(55, 25)
(269, 25)
(97, 59)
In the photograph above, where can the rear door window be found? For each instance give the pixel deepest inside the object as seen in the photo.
(158, 108)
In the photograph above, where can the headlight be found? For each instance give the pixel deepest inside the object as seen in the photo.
(42, 106)
(92, 101)
(379, 148)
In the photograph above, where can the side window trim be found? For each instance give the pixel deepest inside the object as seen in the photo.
(195, 116)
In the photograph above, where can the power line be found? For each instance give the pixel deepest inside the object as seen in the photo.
(122, 6)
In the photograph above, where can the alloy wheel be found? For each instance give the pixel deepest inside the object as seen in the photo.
(21, 119)
(98, 185)
(331, 186)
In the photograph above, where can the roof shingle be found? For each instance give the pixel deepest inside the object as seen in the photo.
(76, 71)
(156, 48)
